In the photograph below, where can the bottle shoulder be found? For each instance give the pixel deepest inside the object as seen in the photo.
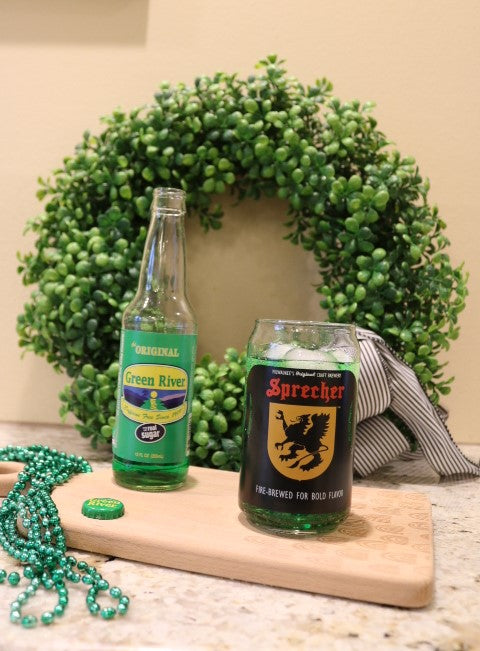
(165, 316)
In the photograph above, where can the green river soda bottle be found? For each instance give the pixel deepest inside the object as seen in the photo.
(157, 357)
(301, 391)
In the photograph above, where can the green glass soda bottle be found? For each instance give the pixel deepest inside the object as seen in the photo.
(157, 357)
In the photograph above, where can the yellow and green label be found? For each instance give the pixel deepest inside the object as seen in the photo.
(154, 397)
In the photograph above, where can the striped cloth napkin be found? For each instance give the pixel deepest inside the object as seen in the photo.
(387, 382)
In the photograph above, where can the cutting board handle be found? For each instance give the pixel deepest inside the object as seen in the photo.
(8, 475)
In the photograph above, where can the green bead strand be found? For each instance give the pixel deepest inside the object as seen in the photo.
(29, 621)
(47, 618)
(122, 609)
(43, 551)
(59, 610)
(22, 597)
(108, 613)
(15, 616)
(94, 608)
(14, 578)
(28, 572)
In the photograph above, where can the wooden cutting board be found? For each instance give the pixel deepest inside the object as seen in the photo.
(382, 553)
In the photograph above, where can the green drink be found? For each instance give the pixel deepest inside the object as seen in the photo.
(296, 475)
(157, 357)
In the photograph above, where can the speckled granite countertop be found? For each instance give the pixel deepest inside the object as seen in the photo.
(174, 610)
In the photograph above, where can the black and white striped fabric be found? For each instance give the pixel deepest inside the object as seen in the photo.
(386, 382)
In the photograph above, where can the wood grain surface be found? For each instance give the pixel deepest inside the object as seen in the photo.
(382, 553)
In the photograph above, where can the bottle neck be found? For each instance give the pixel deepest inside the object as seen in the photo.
(163, 265)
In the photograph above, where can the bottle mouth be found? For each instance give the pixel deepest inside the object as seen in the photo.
(171, 193)
(168, 201)
(287, 323)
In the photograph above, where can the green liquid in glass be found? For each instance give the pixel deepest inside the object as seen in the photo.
(149, 477)
(293, 524)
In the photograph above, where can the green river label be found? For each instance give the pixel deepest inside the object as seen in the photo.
(154, 396)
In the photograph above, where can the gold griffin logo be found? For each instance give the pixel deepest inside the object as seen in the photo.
(301, 439)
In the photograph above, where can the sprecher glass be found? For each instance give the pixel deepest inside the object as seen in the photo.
(301, 393)
(157, 357)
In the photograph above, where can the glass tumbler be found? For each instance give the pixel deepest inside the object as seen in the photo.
(299, 427)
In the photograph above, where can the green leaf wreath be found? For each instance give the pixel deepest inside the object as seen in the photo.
(350, 198)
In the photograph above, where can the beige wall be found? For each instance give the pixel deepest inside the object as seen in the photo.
(64, 63)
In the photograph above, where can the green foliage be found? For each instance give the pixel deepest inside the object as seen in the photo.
(359, 206)
(217, 412)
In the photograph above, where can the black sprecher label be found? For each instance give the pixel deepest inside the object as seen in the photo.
(299, 439)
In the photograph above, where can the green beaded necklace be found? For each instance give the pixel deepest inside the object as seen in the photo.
(42, 551)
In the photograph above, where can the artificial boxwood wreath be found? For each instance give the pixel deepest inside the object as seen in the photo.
(353, 201)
